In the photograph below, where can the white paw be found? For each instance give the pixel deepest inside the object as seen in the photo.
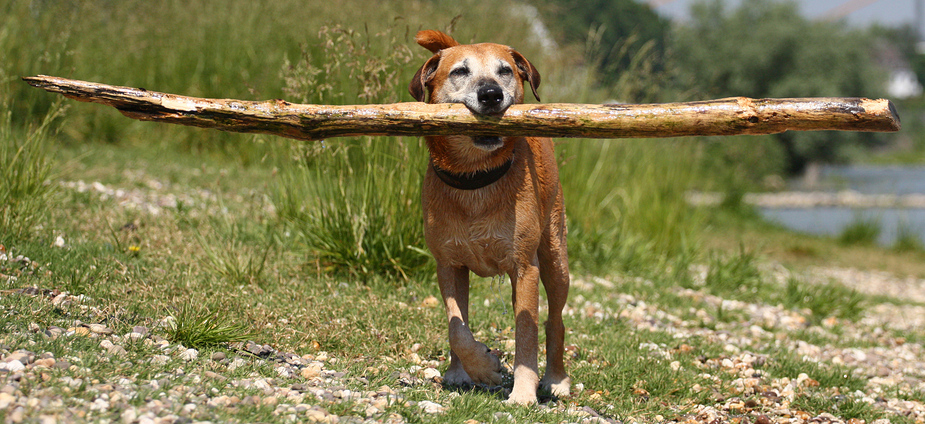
(559, 387)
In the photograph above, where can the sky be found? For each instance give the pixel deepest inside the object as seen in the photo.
(865, 12)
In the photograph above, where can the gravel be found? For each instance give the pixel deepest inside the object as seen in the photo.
(163, 382)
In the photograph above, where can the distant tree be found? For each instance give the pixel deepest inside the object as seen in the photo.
(767, 49)
(620, 36)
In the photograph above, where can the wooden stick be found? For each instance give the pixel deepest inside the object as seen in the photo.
(730, 116)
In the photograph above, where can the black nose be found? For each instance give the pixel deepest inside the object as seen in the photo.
(490, 96)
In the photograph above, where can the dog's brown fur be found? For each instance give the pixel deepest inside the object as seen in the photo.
(514, 226)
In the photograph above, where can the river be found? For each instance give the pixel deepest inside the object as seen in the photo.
(901, 181)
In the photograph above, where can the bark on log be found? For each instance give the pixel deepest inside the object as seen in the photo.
(730, 116)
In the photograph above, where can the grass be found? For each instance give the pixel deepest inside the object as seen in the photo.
(861, 231)
(199, 328)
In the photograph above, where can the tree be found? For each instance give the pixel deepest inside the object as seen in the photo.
(767, 49)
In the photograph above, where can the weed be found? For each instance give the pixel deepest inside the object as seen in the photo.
(824, 300)
(199, 327)
(861, 231)
(907, 239)
(845, 407)
(235, 254)
(735, 275)
(25, 170)
(787, 364)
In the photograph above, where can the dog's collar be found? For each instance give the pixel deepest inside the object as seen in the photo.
(472, 180)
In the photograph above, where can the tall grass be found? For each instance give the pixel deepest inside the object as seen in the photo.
(25, 173)
(352, 205)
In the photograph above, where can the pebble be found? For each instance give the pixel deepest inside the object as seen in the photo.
(100, 329)
(431, 407)
(189, 355)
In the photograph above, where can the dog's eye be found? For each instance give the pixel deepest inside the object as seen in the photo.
(460, 72)
(505, 71)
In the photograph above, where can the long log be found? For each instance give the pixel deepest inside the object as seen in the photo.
(730, 116)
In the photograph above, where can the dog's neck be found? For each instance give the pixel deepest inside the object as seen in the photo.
(472, 180)
(463, 157)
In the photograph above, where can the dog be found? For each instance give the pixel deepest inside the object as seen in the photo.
(493, 206)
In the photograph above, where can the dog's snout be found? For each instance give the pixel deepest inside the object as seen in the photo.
(490, 96)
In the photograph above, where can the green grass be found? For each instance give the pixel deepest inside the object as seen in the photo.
(198, 328)
(861, 231)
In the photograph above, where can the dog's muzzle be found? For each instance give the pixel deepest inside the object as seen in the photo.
(490, 100)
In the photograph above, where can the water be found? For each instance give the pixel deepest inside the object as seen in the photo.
(831, 221)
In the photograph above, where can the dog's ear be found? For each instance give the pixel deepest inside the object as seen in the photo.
(422, 77)
(527, 72)
(434, 40)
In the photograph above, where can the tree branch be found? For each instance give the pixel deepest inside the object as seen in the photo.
(730, 116)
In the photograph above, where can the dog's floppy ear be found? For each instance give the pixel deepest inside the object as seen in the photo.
(434, 40)
(527, 72)
(422, 76)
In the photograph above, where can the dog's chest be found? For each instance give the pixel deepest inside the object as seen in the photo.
(483, 241)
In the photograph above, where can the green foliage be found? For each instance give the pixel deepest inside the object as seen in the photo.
(199, 327)
(767, 49)
(824, 300)
(907, 239)
(862, 231)
(625, 202)
(25, 171)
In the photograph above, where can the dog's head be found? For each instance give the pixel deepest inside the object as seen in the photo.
(487, 78)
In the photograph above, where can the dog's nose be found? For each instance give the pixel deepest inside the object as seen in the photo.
(490, 96)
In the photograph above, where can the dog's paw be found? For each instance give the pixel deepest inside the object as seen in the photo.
(456, 376)
(524, 397)
(559, 387)
(482, 366)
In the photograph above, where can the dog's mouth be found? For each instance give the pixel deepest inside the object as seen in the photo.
(487, 142)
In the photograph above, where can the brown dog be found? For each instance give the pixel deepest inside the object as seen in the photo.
(493, 206)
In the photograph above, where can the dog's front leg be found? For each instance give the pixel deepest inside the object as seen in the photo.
(526, 299)
(470, 360)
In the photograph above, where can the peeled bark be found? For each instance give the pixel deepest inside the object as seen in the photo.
(730, 116)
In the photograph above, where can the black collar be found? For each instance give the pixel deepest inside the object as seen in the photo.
(472, 180)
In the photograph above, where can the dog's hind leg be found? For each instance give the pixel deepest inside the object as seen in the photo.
(553, 259)
(470, 360)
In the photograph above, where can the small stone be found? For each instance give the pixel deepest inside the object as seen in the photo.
(430, 302)
(430, 373)
(13, 366)
(310, 371)
(80, 331)
(189, 355)
(431, 407)
(44, 362)
(269, 401)
(160, 359)
(59, 242)
(218, 356)
(6, 400)
(17, 415)
(135, 336)
(100, 329)
(762, 419)
(59, 299)
(54, 332)
(140, 329)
